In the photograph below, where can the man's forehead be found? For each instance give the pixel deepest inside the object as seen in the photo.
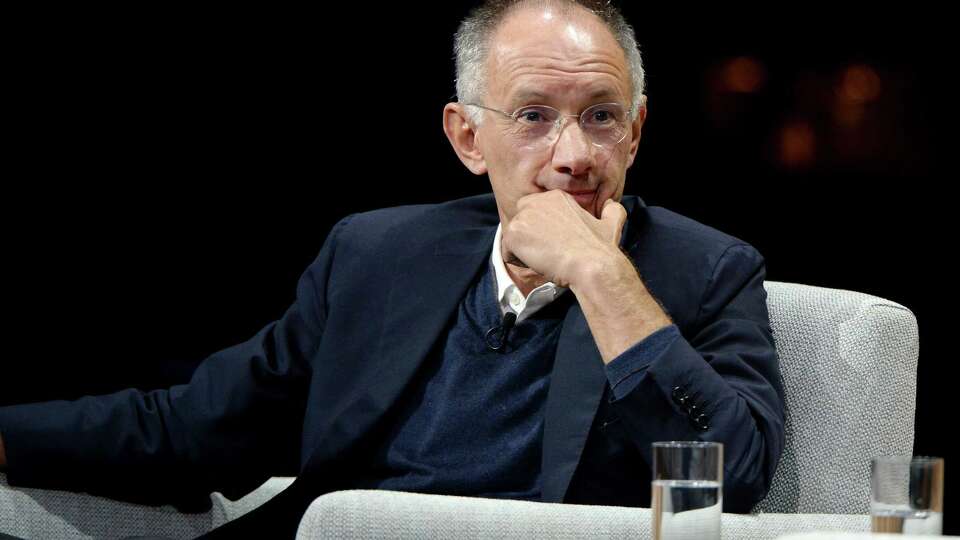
(570, 29)
(542, 40)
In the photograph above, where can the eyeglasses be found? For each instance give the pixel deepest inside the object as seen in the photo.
(539, 126)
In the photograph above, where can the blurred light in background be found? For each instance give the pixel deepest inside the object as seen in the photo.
(797, 144)
(743, 75)
(858, 86)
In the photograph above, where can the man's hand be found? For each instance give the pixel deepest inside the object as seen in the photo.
(564, 243)
(554, 236)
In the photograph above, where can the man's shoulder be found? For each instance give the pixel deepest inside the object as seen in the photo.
(689, 266)
(672, 236)
(675, 226)
(402, 229)
(476, 210)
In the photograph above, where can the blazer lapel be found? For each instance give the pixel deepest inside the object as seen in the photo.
(427, 285)
(577, 384)
(426, 291)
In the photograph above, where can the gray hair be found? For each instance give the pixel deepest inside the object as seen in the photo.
(472, 44)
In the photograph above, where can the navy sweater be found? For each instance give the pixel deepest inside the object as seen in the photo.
(472, 424)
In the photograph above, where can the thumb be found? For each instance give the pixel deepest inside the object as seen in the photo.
(612, 216)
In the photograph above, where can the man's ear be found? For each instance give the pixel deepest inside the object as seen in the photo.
(462, 135)
(637, 127)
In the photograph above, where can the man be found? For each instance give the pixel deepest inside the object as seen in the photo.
(526, 345)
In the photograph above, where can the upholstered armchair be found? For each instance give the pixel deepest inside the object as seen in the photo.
(849, 364)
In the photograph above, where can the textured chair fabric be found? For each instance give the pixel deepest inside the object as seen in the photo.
(54, 515)
(849, 367)
(855, 536)
(849, 370)
(358, 514)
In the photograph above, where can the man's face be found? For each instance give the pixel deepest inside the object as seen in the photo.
(569, 62)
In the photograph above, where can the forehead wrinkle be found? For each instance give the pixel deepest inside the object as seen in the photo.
(507, 62)
(594, 76)
(507, 58)
(584, 68)
(508, 55)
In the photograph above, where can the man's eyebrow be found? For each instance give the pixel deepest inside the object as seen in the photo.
(605, 93)
(527, 96)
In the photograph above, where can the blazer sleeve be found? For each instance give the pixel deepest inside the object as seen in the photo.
(236, 423)
(718, 381)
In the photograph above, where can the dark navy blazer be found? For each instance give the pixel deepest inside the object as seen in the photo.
(311, 394)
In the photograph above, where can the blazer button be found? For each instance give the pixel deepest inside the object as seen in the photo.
(700, 422)
(605, 424)
(677, 394)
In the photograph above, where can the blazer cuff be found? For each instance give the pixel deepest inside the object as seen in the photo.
(625, 371)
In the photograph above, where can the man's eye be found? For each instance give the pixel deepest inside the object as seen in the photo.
(532, 117)
(601, 116)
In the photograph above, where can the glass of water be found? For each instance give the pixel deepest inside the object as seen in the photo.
(687, 490)
(906, 495)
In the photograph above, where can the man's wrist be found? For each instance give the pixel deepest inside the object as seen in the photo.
(619, 309)
(599, 267)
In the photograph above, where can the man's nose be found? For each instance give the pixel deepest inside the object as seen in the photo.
(573, 152)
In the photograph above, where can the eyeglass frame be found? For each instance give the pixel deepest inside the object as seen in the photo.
(559, 122)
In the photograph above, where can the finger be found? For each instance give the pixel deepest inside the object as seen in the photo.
(514, 260)
(613, 216)
(508, 256)
(526, 200)
(521, 202)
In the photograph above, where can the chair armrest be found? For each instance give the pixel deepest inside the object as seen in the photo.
(387, 514)
(41, 513)
(227, 510)
(856, 536)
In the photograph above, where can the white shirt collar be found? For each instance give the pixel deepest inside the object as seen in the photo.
(509, 297)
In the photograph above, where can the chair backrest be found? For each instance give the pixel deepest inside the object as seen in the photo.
(849, 367)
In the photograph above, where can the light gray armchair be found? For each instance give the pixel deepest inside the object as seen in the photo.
(849, 369)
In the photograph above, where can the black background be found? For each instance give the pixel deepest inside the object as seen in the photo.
(171, 172)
